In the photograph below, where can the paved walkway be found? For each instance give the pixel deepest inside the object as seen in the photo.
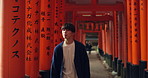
(97, 67)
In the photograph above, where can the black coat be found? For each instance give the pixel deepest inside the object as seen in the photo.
(81, 61)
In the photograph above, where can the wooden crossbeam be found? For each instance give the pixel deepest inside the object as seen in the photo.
(90, 7)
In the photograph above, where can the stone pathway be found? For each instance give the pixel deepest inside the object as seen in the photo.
(97, 68)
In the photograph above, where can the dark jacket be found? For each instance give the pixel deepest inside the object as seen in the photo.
(81, 61)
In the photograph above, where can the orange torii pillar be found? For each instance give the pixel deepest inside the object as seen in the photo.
(82, 33)
(120, 45)
(115, 32)
(100, 43)
(12, 39)
(92, 26)
(129, 35)
(46, 20)
(56, 21)
(57, 30)
(124, 45)
(87, 26)
(61, 17)
(83, 37)
(79, 27)
(146, 70)
(112, 44)
(111, 29)
(103, 37)
(108, 43)
(135, 38)
(101, 40)
(97, 27)
(79, 32)
(32, 38)
(1, 35)
(143, 37)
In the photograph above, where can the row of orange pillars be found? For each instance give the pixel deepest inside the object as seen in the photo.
(125, 44)
(30, 29)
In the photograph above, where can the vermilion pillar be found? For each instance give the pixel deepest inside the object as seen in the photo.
(124, 43)
(108, 38)
(116, 33)
(100, 49)
(108, 42)
(32, 38)
(12, 49)
(61, 16)
(124, 40)
(57, 30)
(112, 39)
(147, 43)
(97, 27)
(104, 38)
(143, 30)
(100, 40)
(143, 36)
(129, 30)
(83, 37)
(120, 45)
(79, 31)
(115, 24)
(46, 20)
(129, 37)
(135, 32)
(147, 40)
(1, 34)
(87, 26)
(79, 27)
(135, 37)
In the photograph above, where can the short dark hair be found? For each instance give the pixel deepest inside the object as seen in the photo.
(68, 26)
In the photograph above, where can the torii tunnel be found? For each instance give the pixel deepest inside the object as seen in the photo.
(30, 29)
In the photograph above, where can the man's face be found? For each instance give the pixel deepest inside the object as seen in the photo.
(67, 34)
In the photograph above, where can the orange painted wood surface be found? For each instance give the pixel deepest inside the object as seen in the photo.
(147, 35)
(104, 40)
(120, 45)
(135, 32)
(32, 39)
(46, 20)
(13, 39)
(115, 33)
(100, 40)
(143, 29)
(56, 23)
(110, 7)
(108, 38)
(129, 30)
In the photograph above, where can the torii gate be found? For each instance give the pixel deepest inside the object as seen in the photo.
(74, 12)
